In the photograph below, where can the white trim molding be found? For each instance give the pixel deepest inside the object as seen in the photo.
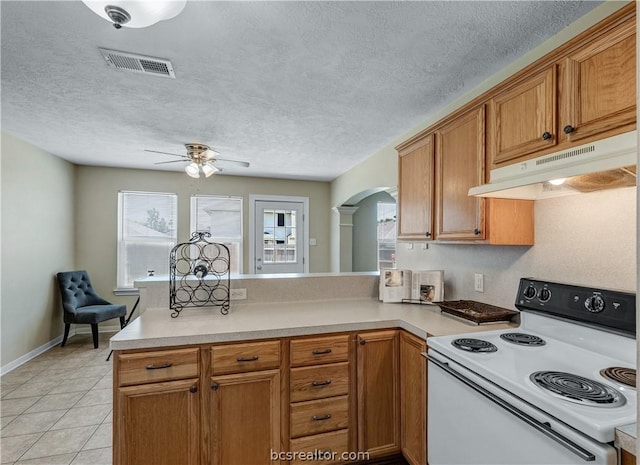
(253, 198)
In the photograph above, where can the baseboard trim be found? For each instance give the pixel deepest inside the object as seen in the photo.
(86, 329)
(31, 355)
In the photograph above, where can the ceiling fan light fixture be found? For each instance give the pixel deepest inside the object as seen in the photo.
(136, 13)
(208, 169)
(193, 170)
(210, 153)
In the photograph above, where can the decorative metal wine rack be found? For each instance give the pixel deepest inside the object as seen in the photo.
(199, 275)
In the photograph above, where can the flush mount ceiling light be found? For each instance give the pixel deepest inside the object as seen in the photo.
(136, 13)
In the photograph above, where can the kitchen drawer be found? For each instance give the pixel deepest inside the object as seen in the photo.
(317, 350)
(331, 444)
(161, 365)
(239, 358)
(319, 416)
(317, 382)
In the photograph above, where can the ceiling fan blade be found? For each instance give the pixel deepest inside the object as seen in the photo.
(166, 153)
(172, 161)
(226, 160)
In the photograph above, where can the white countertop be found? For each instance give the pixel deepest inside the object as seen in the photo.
(156, 328)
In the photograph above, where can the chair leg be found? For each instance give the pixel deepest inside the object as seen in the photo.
(66, 334)
(94, 331)
(123, 322)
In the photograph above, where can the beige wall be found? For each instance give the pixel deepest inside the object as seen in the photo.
(37, 242)
(96, 217)
(586, 239)
(381, 168)
(365, 233)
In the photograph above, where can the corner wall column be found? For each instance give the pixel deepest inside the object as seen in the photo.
(346, 237)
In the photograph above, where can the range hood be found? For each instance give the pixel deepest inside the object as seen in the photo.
(604, 164)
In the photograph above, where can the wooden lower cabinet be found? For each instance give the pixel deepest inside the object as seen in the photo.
(378, 399)
(413, 399)
(366, 395)
(245, 418)
(158, 424)
(627, 458)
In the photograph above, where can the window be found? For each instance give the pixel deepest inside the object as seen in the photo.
(386, 235)
(147, 223)
(222, 217)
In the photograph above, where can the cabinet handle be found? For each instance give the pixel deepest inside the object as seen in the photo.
(321, 352)
(568, 129)
(362, 342)
(321, 383)
(320, 418)
(247, 359)
(159, 367)
(427, 234)
(546, 135)
(215, 386)
(193, 389)
(476, 232)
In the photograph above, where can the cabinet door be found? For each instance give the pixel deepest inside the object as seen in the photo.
(460, 166)
(601, 85)
(524, 118)
(413, 399)
(378, 396)
(159, 423)
(415, 190)
(245, 418)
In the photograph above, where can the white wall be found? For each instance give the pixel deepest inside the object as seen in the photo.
(587, 239)
(96, 218)
(37, 242)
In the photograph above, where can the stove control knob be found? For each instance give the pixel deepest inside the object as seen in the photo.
(544, 295)
(530, 292)
(595, 303)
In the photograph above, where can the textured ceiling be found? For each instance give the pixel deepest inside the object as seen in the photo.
(302, 90)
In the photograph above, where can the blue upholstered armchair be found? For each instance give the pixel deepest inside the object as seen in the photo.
(82, 305)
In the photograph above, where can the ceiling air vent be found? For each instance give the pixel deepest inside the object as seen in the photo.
(138, 63)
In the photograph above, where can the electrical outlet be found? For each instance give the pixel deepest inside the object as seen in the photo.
(479, 282)
(238, 294)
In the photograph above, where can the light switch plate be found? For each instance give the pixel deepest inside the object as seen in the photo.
(479, 282)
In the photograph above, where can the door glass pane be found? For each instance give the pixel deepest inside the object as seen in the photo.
(279, 244)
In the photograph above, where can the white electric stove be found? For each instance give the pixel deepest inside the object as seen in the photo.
(550, 392)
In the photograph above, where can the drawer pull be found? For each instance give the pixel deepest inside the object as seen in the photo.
(248, 359)
(159, 367)
(326, 382)
(320, 418)
(321, 352)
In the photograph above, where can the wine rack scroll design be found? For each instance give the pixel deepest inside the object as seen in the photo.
(199, 275)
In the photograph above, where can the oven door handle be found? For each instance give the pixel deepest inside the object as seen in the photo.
(543, 428)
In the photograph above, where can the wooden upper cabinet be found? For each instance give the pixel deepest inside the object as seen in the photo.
(523, 117)
(415, 190)
(600, 85)
(460, 166)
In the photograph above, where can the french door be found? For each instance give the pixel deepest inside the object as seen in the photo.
(279, 237)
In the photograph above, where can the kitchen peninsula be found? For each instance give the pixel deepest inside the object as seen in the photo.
(340, 375)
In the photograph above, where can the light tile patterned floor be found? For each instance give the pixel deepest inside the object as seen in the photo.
(57, 408)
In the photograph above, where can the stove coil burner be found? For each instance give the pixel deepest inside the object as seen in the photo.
(577, 389)
(523, 339)
(622, 375)
(474, 345)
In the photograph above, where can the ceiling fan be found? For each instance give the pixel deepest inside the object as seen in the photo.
(202, 159)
